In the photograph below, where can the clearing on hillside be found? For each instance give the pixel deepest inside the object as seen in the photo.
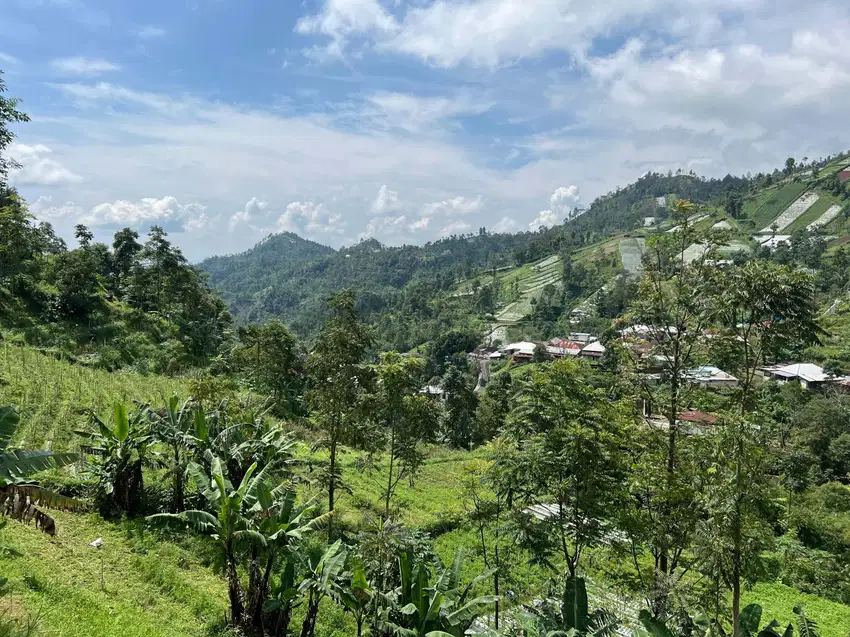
(631, 254)
(793, 211)
(825, 218)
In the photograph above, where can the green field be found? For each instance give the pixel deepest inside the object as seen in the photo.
(50, 393)
(772, 203)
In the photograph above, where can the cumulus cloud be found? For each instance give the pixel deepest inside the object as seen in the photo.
(87, 67)
(44, 209)
(341, 19)
(456, 227)
(386, 201)
(166, 211)
(252, 209)
(38, 168)
(386, 227)
(308, 218)
(544, 219)
(454, 207)
(564, 196)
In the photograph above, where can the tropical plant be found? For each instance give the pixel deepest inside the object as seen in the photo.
(324, 570)
(356, 597)
(750, 625)
(117, 453)
(570, 617)
(174, 426)
(227, 523)
(438, 608)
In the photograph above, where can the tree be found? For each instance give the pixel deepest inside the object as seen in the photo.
(762, 308)
(404, 419)
(568, 438)
(226, 523)
(460, 403)
(337, 378)
(675, 300)
(269, 357)
(432, 606)
(734, 204)
(125, 251)
(494, 404)
(737, 528)
(790, 163)
(8, 114)
(83, 235)
(118, 452)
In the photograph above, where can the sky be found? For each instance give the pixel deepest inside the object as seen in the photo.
(402, 120)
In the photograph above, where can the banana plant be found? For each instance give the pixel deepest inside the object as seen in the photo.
(438, 609)
(227, 522)
(18, 493)
(322, 580)
(571, 617)
(750, 625)
(174, 426)
(117, 452)
(356, 597)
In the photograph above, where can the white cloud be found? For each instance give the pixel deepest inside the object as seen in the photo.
(505, 224)
(386, 201)
(456, 227)
(88, 67)
(310, 219)
(420, 224)
(5, 58)
(341, 19)
(545, 219)
(252, 209)
(44, 210)
(386, 227)
(564, 196)
(454, 207)
(150, 32)
(148, 211)
(37, 168)
(416, 113)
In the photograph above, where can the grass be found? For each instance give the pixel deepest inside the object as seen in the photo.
(778, 601)
(812, 214)
(153, 588)
(50, 393)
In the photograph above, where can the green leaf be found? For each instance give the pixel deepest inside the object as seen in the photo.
(9, 420)
(655, 627)
(750, 619)
(575, 604)
(122, 424)
(201, 430)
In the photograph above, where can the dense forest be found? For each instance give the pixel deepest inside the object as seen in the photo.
(343, 461)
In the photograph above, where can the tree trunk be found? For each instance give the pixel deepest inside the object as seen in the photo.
(390, 479)
(309, 625)
(234, 591)
(177, 496)
(332, 486)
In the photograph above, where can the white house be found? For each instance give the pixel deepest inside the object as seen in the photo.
(808, 375)
(594, 350)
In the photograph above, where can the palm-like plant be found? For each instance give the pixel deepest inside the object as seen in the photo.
(175, 426)
(571, 617)
(438, 609)
(749, 625)
(227, 523)
(118, 452)
(16, 468)
(323, 572)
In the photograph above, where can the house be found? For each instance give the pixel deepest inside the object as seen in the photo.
(809, 375)
(844, 175)
(581, 337)
(696, 422)
(593, 350)
(522, 350)
(432, 390)
(710, 377)
(774, 241)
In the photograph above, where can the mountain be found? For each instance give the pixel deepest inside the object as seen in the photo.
(479, 282)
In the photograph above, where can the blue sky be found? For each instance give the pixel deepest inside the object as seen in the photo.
(403, 120)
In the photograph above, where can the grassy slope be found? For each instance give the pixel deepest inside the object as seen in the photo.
(772, 202)
(49, 393)
(153, 588)
(812, 214)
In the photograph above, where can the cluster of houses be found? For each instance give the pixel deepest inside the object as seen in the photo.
(577, 344)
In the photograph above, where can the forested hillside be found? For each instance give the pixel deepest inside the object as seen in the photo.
(679, 469)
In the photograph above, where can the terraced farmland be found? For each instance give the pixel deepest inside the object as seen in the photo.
(771, 203)
(631, 254)
(793, 211)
